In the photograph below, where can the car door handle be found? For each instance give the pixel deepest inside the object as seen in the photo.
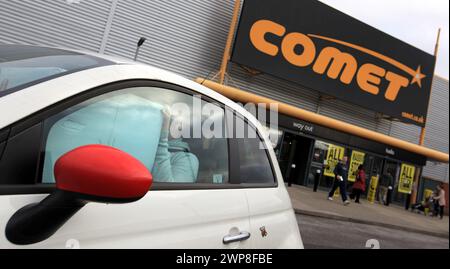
(242, 236)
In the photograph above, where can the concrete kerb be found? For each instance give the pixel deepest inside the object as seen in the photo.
(367, 222)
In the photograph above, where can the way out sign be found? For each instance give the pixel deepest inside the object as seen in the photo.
(406, 179)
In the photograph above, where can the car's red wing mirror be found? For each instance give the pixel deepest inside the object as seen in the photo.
(103, 174)
(93, 173)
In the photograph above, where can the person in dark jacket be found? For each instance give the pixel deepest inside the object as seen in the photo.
(340, 180)
(360, 185)
(386, 184)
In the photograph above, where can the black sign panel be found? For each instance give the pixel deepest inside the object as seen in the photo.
(312, 44)
(320, 132)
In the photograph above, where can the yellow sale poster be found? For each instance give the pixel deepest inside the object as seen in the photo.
(356, 160)
(372, 189)
(335, 153)
(406, 179)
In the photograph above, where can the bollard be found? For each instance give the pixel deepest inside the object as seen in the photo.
(408, 201)
(317, 179)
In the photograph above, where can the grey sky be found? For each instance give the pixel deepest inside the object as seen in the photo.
(413, 21)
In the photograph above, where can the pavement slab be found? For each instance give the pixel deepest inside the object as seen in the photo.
(307, 202)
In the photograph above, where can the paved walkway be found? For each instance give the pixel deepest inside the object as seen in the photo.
(307, 202)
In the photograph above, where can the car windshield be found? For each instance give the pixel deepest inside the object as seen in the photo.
(23, 66)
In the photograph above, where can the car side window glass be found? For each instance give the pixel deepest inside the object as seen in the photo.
(159, 127)
(255, 166)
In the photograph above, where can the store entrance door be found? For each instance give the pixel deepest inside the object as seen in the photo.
(394, 168)
(295, 158)
(374, 169)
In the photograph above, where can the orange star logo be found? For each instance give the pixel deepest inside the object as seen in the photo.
(418, 76)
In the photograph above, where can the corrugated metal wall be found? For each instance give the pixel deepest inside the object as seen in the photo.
(354, 114)
(407, 132)
(274, 88)
(438, 116)
(437, 135)
(54, 23)
(188, 37)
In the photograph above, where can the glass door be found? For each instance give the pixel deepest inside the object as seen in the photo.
(393, 168)
(374, 167)
(284, 154)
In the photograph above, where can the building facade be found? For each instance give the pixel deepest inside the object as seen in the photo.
(188, 38)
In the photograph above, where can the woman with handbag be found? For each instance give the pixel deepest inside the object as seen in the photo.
(360, 185)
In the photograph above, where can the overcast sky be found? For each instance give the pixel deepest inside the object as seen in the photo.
(413, 21)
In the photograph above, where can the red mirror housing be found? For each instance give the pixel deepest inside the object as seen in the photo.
(93, 173)
(103, 172)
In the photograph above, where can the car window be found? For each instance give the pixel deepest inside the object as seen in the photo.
(22, 65)
(255, 166)
(159, 127)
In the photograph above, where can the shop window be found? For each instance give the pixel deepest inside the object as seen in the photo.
(325, 157)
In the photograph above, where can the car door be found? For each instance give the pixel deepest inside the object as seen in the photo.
(192, 202)
(272, 219)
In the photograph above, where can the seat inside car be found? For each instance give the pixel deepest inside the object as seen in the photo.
(127, 122)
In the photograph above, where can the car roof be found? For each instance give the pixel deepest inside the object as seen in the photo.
(18, 52)
(14, 52)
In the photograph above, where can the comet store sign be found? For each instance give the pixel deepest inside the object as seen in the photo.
(314, 45)
(334, 155)
(406, 179)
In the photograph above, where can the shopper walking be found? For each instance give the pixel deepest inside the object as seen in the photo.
(386, 182)
(340, 181)
(440, 198)
(360, 184)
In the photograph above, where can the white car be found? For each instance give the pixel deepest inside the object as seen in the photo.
(99, 152)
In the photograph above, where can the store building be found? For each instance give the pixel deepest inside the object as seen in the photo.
(189, 37)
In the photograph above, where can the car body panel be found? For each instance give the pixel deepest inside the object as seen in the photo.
(162, 219)
(272, 219)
